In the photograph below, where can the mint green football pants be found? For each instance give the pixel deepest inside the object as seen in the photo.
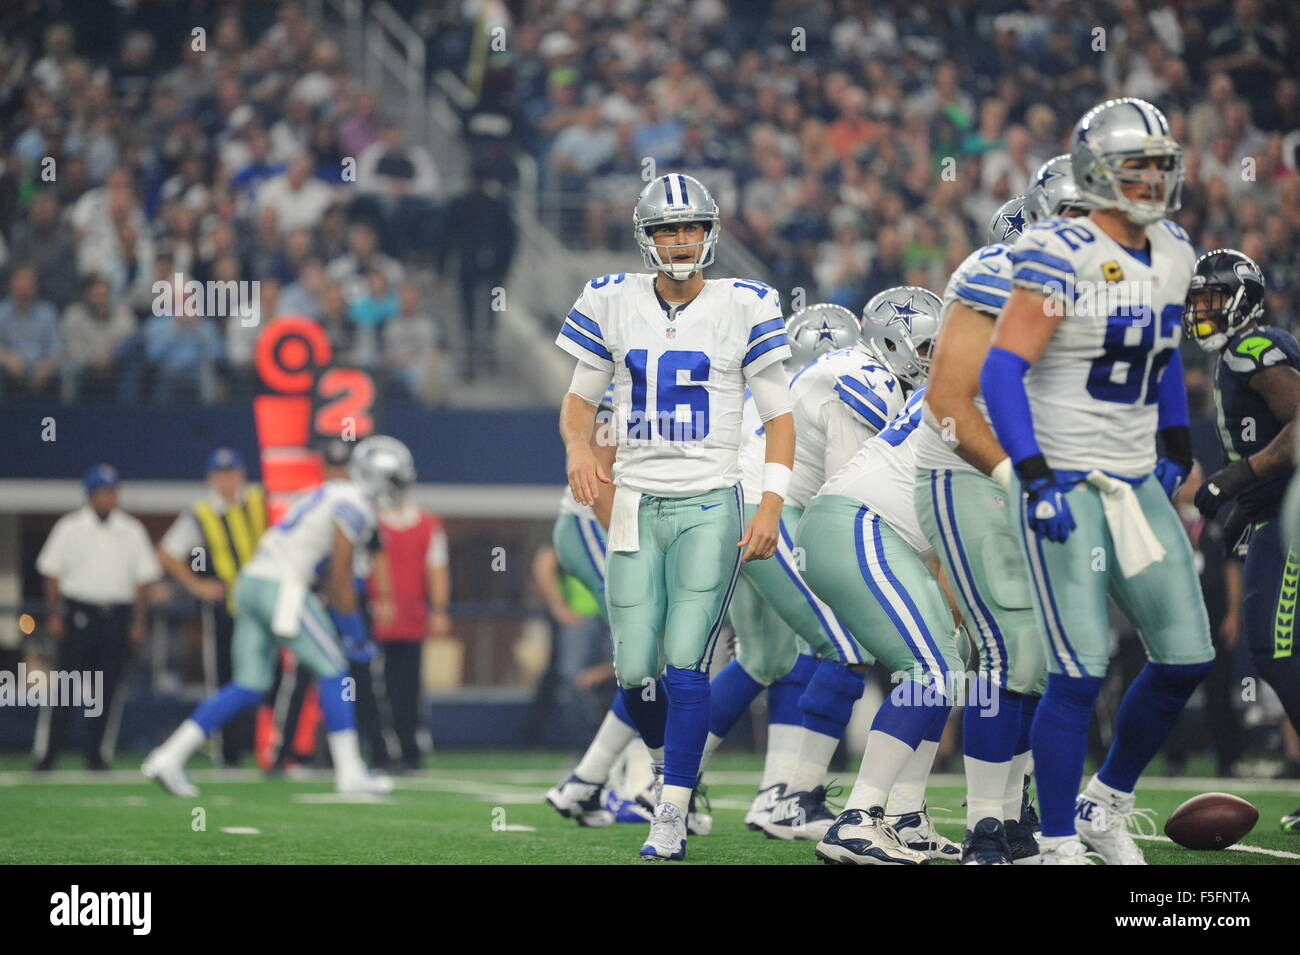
(965, 517)
(580, 545)
(1072, 580)
(254, 644)
(668, 599)
(766, 647)
(877, 584)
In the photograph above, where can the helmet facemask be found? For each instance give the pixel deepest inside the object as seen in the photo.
(1114, 175)
(659, 257)
(1205, 319)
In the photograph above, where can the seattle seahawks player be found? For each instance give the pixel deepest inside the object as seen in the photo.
(274, 609)
(1082, 372)
(866, 557)
(840, 400)
(963, 512)
(680, 351)
(1257, 391)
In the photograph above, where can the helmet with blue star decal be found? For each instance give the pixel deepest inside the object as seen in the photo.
(1008, 222)
(1053, 192)
(674, 203)
(899, 326)
(818, 329)
(1124, 157)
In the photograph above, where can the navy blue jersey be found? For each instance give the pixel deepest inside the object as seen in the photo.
(1246, 424)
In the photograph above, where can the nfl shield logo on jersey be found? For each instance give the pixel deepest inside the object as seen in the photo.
(671, 333)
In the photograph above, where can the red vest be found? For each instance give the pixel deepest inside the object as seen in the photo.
(407, 549)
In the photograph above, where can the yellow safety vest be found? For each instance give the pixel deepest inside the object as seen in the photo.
(232, 537)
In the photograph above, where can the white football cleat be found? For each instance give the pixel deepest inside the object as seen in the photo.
(369, 783)
(1069, 852)
(864, 838)
(580, 801)
(917, 832)
(761, 808)
(169, 775)
(1103, 819)
(667, 839)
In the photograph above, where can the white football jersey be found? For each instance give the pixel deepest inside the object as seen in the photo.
(678, 384)
(753, 451)
(883, 472)
(1094, 392)
(301, 542)
(982, 282)
(852, 379)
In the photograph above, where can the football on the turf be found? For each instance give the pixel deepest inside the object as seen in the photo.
(1211, 821)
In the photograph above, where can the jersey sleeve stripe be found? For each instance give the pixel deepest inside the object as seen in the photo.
(758, 331)
(1043, 281)
(586, 324)
(869, 415)
(595, 348)
(765, 346)
(989, 299)
(992, 281)
(1042, 258)
(863, 392)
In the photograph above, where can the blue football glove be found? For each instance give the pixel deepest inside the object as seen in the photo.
(1049, 511)
(1171, 475)
(357, 644)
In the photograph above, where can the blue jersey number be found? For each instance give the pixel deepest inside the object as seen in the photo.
(1125, 369)
(604, 279)
(670, 396)
(905, 421)
(300, 508)
(758, 288)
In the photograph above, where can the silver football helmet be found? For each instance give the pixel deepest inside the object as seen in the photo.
(383, 468)
(1008, 222)
(817, 329)
(675, 199)
(899, 326)
(1111, 134)
(1053, 192)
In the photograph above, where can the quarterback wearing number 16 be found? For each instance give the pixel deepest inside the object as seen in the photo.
(1082, 376)
(681, 352)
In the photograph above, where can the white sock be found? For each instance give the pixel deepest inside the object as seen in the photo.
(181, 745)
(606, 746)
(679, 796)
(345, 750)
(987, 787)
(883, 760)
(1014, 793)
(782, 754)
(711, 744)
(908, 794)
(1097, 788)
(656, 756)
(815, 752)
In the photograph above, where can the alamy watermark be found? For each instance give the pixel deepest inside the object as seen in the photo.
(82, 689)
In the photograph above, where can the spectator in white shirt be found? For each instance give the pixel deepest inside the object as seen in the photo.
(298, 198)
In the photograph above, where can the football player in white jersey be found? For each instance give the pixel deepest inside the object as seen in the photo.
(840, 399)
(963, 513)
(1082, 375)
(275, 608)
(867, 558)
(680, 351)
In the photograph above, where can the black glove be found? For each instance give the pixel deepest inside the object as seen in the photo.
(1221, 486)
(1236, 531)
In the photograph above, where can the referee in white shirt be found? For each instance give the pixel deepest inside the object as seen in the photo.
(97, 563)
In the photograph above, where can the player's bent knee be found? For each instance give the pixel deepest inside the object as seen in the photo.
(832, 691)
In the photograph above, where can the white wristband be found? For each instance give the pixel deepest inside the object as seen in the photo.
(1002, 473)
(776, 479)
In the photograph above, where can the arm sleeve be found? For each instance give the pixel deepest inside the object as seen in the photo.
(581, 334)
(590, 383)
(1173, 395)
(767, 343)
(352, 521)
(182, 537)
(437, 555)
(50, 562)
(984, 284)
(771, 390)
(147, 568)
(1040, 263)
(862, 402)
(845, 434)
(1002, 382)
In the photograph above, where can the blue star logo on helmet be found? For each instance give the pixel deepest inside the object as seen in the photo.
(1015, 221)
(825, 333)
(903, 314)
(1048, 175)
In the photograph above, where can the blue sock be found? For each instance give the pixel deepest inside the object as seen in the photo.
(1028, 707)
(991, 730)
(217, 710)
(648, 717)
(730, 694)
(339, 712)
(827, 702)
(687, 727)
(1060, 742)
(939, 723)
(905, 720)
(1147, 716)
(619, 709)
(783, 695)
